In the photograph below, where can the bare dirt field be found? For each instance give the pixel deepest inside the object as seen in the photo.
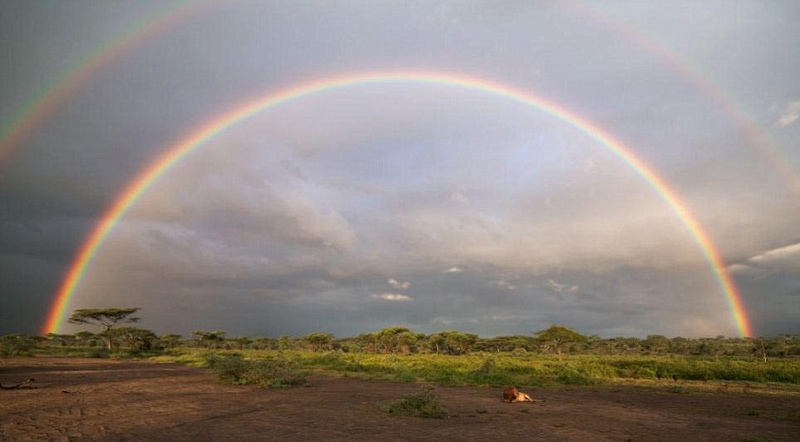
(102, 400)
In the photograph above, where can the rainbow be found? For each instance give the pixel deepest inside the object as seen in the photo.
(37, 109)
(776, 156)
(172, 155)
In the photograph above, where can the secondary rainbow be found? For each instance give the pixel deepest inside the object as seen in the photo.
(66, 84)
(37, 109)
(184, 147)
(759, 138)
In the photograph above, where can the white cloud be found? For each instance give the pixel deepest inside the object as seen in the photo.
(399, 285)
(783, 258)
(453, 270)
(391, 296)
(506, 284)
(790, 114)
(459, 197)
(750, 271)
(560, 288)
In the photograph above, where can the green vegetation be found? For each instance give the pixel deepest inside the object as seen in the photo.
(498, 370)
(106, 318)
(422, 404)
(558, 336)
(16, 345)
(555, 356)
(268, 372)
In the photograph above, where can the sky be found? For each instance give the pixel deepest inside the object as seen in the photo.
(403, 204)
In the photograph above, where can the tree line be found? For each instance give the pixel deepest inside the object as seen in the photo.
(556, 339)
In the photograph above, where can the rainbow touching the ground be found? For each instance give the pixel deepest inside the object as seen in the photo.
(37, 109)
(174, 153)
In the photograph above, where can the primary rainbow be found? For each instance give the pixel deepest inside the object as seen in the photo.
(182, 148)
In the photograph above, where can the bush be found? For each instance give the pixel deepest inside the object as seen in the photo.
(229, 367)
(16, 345)
(422, 404)
(487, 367)
(272, 372)
(569, 375)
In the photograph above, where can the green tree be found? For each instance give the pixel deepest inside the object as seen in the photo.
(656, 344)
(86, 338)
(390, 337)
(135, 338)
(459, 343)
(16, 345)
(170, 340)
(318, 341)
(437, 342)
(286, 342)
(106, 318)
(557, 336)
(210, 339)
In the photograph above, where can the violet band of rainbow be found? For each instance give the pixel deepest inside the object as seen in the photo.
(185, 146)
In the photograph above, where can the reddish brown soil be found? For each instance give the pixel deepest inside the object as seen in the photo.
(99, 400)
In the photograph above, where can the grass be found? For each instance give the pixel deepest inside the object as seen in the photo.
(673, 374)
(677, 374)
(423, 404)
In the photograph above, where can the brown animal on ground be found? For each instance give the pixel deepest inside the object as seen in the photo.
(512, 395)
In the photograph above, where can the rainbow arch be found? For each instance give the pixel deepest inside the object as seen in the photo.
(39, 107)
(760, 139)
(71, 79)
(174, 153)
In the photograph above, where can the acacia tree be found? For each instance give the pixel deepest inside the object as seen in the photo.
(136, 338)
(318, 341)
(209, 338)
(556, 336)
(106, 318)
(390, 337)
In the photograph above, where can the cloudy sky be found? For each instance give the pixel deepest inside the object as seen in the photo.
(428, 206)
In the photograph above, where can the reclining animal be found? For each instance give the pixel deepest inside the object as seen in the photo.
(512, 396)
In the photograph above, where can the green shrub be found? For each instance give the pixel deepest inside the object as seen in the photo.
(271, 372)
(16, 345)
(569, 375)
(422, 404)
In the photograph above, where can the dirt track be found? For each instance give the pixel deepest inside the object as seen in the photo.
(137, 401)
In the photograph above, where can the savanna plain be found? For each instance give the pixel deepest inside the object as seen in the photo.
(396, 385)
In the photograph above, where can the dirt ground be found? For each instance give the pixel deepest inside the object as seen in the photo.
(102, 400)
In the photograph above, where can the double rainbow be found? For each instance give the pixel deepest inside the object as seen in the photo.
(184, 147)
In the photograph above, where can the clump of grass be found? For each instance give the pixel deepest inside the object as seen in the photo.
(488, 366)
(569, 375)
(676, 389)
(271, 373)
(422, 404)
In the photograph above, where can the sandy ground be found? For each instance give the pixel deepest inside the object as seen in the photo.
(100, 400)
